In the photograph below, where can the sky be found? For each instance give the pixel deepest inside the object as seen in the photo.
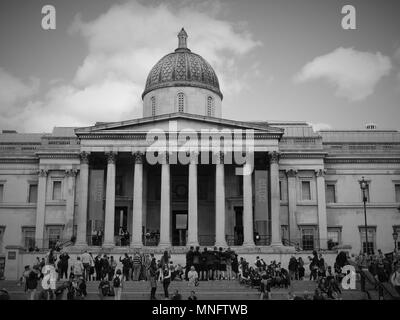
(286, 60)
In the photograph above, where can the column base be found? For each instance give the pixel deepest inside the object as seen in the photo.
(248, 244)
(276, 244)
(220, 245)
(164, 245)
(108, 245)
(192, 244)
(138, 245)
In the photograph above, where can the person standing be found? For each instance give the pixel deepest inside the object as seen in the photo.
(137, 264)
(78, 268)
(63, 265)
(86, 261)
(118, 284)
(125, 266)
(166, 279)
(153, 278)
(189, 261)
(395, 277)
(113, 266)
(193, 276)
(31, 283)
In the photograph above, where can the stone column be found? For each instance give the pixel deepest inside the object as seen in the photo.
(70, 175)
(248, 228)
(193, 205)
(165, 210)
(292, 201)
(110, 202)
(81, 237)
(322, 224)
(220, 240)
(275, 201)
(41, 208)
(137, 218)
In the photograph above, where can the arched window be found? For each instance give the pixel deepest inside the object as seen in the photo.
(153, 106)
(181, 102)
(210, 106)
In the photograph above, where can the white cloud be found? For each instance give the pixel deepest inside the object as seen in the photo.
(123, 45)
(14, 91)
(353, 73)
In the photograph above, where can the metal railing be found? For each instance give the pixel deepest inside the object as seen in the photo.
(369, 284)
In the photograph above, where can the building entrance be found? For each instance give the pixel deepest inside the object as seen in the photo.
(179, 227)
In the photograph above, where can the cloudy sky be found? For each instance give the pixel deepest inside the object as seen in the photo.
(276, 60)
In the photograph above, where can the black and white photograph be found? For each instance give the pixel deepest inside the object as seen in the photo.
(224, 153)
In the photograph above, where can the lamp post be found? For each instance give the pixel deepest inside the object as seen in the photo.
(364, 186)
(395, 237)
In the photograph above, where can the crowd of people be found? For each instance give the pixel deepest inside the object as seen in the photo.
(200, 265)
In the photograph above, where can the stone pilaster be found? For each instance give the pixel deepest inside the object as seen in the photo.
(137, 222)
(110, 201)
(275, 199)
(322, 221)
(220, 240)
(292, 202)
(81, 239)
(41, 208)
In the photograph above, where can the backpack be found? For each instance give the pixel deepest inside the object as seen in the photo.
(116, 282)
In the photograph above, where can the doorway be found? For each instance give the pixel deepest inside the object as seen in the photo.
(121, 224)
(179, 227)
(238, 241)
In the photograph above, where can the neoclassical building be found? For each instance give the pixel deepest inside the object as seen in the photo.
(109, 189)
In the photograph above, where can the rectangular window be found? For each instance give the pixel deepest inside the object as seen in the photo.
(333, 237)
(330, 193)
(1, 192)
(56, 190)
(54, 235)
(307, 237)
(28, 236)
(240, 185)
(371, 240)
(119, 186)
(397, 192)
(280, 190)
(33, 189)
(305, 190)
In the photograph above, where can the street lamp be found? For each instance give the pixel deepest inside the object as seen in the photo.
(364, 187)
(395, 237)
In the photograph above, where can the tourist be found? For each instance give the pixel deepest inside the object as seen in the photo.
(105, 267)
(125, 266)
(177, 295)
(192, 296)
(63, 265)
(32, 282)
(166, 279)
(118, 285)
(301, 268)
(196, 259)
(293, 268)
(216, 263)
(137, 265)
(86, 261)
(113, 266)
(395, 277)
(78, 268)
(153, 278)
(228, 259)
(222, 264)
(203, 265)
(98, 266)
(193, 276)
(189, 261)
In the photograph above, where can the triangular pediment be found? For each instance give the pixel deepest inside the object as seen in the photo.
(176, 122)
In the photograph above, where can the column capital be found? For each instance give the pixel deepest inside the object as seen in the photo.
(291, 173)
(84, 156)
(43, 172)
(71, 172)
(111, 157)
(274, 156)
(138, 157)
(320, 172)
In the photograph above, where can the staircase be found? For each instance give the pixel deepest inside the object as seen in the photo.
(140, 290)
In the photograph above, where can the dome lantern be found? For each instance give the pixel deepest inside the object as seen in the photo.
(182, 41)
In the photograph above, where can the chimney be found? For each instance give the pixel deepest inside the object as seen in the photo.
(370, 126)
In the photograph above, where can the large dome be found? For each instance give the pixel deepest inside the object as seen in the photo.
(182, 68)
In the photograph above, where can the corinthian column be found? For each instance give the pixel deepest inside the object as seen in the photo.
(248, 208)
(292, 199)
(110, 202)
(41, 208)
(83, 201)
(275, 200)
(137, 201)
(193, 218)
(165, 210)
(70, 202)
(322, 224)
(220, 240)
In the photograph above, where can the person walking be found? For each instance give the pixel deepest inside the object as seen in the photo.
(118, 284)
(125, 266)
(193, 276)
(78, 268)
(86, 261)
